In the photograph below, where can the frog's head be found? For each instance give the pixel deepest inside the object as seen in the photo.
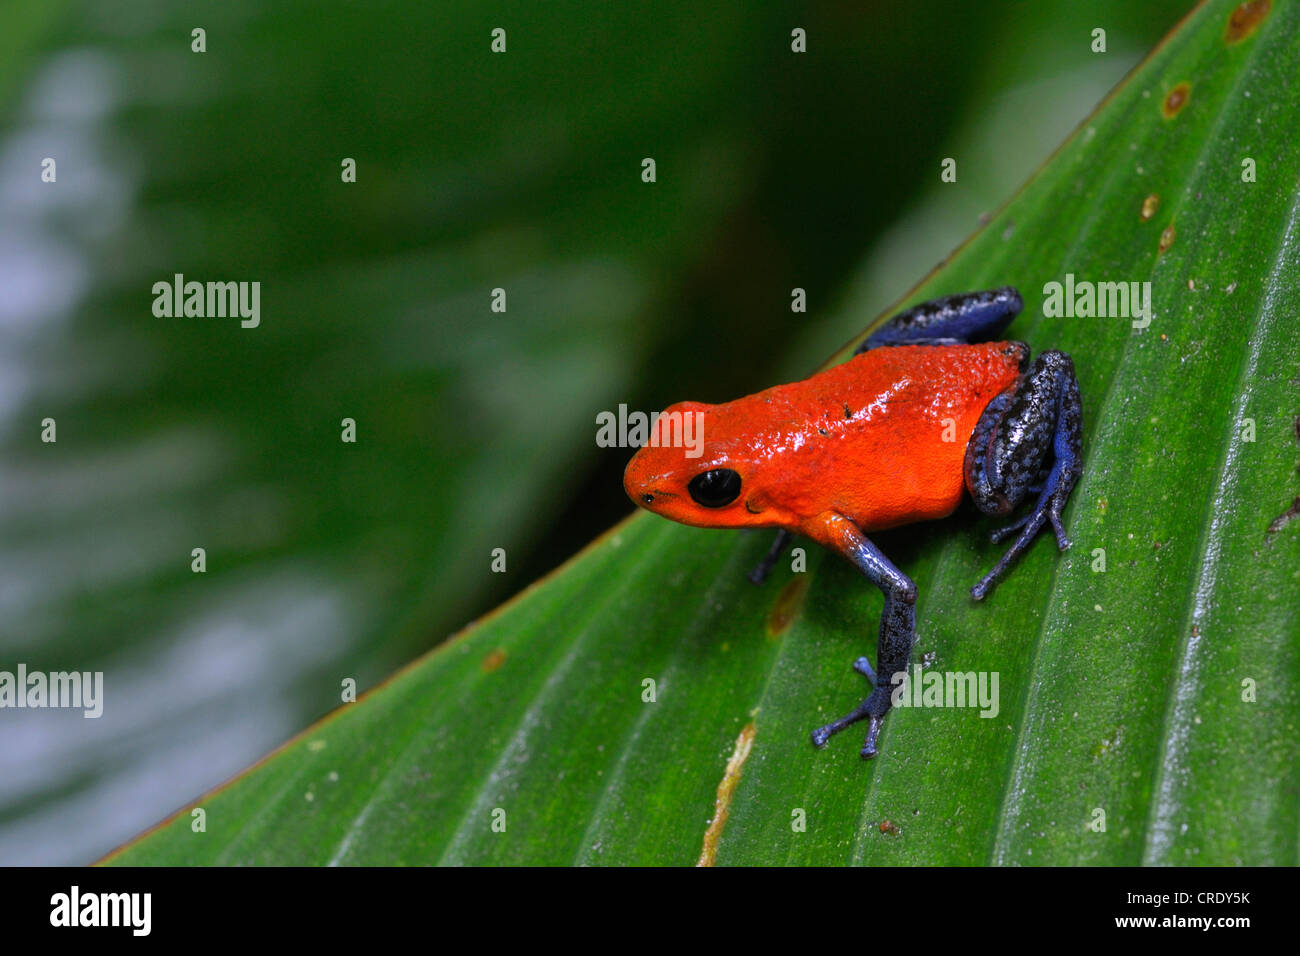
(684, 475)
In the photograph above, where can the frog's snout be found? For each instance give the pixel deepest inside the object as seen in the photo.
(635, 484)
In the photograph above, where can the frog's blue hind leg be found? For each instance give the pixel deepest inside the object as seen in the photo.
(950, 320)
(1029, 440)
(897, 632)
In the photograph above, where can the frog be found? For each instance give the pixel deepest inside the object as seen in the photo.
(932, 407)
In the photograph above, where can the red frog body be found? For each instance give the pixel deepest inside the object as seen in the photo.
(880, 439)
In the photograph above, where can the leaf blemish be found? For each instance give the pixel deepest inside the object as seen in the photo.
(493, 660)
(787, 606)
(726, 789)
(1176, 100)
(1149, 206)
(1286, 517)
(1167, 238)
(1246, 19)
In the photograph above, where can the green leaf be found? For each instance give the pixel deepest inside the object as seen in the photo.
(1162, 691)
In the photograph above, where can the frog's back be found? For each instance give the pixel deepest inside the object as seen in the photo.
(881, 438)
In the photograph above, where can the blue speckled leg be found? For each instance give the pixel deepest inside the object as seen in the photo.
(952, 319)
(897, 633)
(1032, 429)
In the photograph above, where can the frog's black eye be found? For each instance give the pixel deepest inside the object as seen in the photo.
(715, 489)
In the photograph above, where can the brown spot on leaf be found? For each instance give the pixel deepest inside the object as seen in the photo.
(726, 789)
(493, 660)
(1286, 517)
(1167, 238)
(787, 606)
(1246, 19)
(1176, 100)
(888, 826)
(1149, 206)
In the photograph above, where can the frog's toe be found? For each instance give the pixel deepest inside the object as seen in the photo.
(1003, 533)
(873, 731)
(1062, 539)
(824, 733)
(863, 667)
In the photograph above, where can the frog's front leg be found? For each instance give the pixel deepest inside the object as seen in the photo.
(760, 573)
(1028, 440)
(897, 625)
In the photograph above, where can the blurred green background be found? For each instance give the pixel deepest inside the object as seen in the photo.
(475, 429)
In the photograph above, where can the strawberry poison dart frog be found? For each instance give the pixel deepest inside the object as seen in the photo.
(931, 404)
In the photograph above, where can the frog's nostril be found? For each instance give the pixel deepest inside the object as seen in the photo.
(648, 498)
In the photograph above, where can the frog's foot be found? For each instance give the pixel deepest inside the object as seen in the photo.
(1062, 540)
(872, 710)
(1047, 509)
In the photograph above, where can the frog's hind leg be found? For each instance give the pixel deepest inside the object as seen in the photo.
(897, 629)
(968, 317)
(1028, 440)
